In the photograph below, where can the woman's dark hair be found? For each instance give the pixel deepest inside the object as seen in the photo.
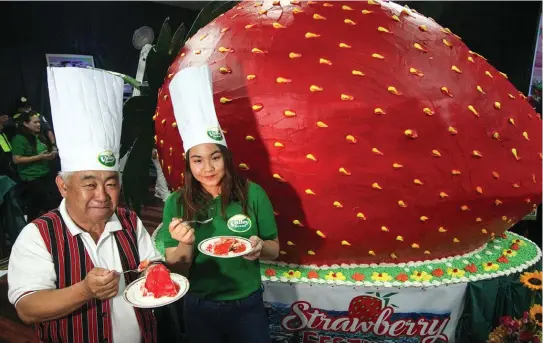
(233, 188)
(30, 136)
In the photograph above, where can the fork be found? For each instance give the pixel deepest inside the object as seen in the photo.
(137, 270)
(200, 221)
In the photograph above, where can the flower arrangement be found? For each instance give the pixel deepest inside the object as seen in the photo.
(528, 329)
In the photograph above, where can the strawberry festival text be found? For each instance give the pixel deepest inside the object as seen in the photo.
(304, 317)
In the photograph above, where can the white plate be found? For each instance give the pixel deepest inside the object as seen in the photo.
(134, 296)
(203, 245)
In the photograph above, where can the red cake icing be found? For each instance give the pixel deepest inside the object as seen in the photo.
(226, 245)
(377, 134)
(158, 283)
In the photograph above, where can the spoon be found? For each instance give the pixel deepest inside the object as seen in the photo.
(138, 270)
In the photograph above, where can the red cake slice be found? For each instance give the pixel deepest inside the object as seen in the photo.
(225, 246)
(158, 283)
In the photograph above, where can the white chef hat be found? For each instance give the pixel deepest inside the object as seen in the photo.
(86, 106)
(191, 92)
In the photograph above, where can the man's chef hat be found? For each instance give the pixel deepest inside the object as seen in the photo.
(191, 91)
(86, 106)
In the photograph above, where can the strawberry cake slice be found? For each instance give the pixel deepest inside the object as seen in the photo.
(158, 283)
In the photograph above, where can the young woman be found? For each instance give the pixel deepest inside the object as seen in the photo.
(31, 155)
(224, 303)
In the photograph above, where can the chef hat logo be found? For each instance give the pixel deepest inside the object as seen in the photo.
(107, 158)
(215, 133)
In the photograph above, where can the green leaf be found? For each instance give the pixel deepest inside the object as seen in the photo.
(177, 40)
(164, 38)
(370, 292)
(389, 295)
(377, 295)
(394, 305)
(386, 302)
(156, 68)
(138, 114)
(211, 10)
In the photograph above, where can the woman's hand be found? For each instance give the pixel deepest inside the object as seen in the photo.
(258, 244)
(181, 231)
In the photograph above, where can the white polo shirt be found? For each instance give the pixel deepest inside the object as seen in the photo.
(31, 268)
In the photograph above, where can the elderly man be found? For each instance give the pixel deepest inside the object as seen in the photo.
(64, 271)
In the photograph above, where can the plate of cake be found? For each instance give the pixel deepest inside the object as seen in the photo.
(225, 246)
(158, 288)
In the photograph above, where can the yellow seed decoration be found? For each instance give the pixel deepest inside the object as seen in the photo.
(225, 70)
(443, 195)
(377, 56)
(349, 22)
(382, 29)
(516, 185)
(344, 171)
(197, 52)
(314, 88)
(375, 185)
(480, 90)
(476, 153)
(155, 137)
(415, 246)
(452, 130)
(497, 105)
(423, 218)
(171, 151)
(401, 203)
(297, 222)
(416, 72)
(471, 59)
(423, 28)
(345, 46)
(447, 43)
(495, 175)
(456, 172)
(498, 202)
(311, 252)
(278, 26)
(346, 97)
(397, 166)
(473, 110)
(345, 243)
(257, 51)
(418, 182)
(384, 229)
(251, 77)
(511, 121)
(358, 73)
(225, 100)
(320, 234)
(479, 220)
(496, 136)
(282, 252)
(442, 230)
(290, 243)
(309, 192)
(393, 90)
(436, 153)
(169, 170)
(249, 138)
(393, 255)
(289, 113)
(487, 73)
(346, 8)
(371, 252)
(257, 107)
(249, 26)
(294, 55)
(163, 121)
(278, 145)
(244, 166)
(351, 139)
(379, 111)
(372, 2)
(456, 69)
(504, 75)
(277, 177)
(427, 252)
(511, 96)
(312, 35)
(484, 231)
(321, 124)
(297, 10)
(428, 111)
(446, 91)
(361, 216)
(395, 18)
(318, 17)
(399, 238)
(464, 208)
(283, 80)
(326, 4)
(525, 135)
(337, 204)
(365, 12)
(456, 240)
(377, 151)
(515, 153)
(310, 157)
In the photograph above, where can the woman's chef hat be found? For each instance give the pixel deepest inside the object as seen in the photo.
(86, 106)
(191, 92)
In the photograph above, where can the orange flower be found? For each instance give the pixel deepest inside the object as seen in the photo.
(312, 275)
(270, 272)
(438, 272)
(402, 277)
(358, 277)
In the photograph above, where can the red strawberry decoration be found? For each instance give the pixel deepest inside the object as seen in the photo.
(368, 307)
(515, 246)
(503, 259)
(270, 272)
(367, 131)
(472, 268)
(438, 272)
(402, 277)
(358, 277)
(312, 275)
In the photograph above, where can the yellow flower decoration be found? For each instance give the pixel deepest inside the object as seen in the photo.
(490, 267)
(509, 253)
(536, 313)
(335, 276)
(292, 274)
(421, 276)
(383, 277)
(518, 242)
(533, 281)
(456, 272)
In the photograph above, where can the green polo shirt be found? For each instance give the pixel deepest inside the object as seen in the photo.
(29, 171)
(224, 278)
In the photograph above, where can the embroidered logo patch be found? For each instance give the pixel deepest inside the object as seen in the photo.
(215, 133)
(107, 159)
(239, 223)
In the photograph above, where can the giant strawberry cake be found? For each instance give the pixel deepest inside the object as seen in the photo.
(392, 153)
(158, 283)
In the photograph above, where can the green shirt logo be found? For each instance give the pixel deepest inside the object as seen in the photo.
(215, 133)
(239, 223)
(107, 159)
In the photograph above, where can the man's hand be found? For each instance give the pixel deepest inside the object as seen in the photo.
(258, 245)
(101, 284)
(181, 231)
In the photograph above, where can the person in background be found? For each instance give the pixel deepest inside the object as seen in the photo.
(25, 107)
(31, 156)
(64, 269)
(6, 162)
(225, 300)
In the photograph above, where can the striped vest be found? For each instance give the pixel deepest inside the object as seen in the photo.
(91, 323)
